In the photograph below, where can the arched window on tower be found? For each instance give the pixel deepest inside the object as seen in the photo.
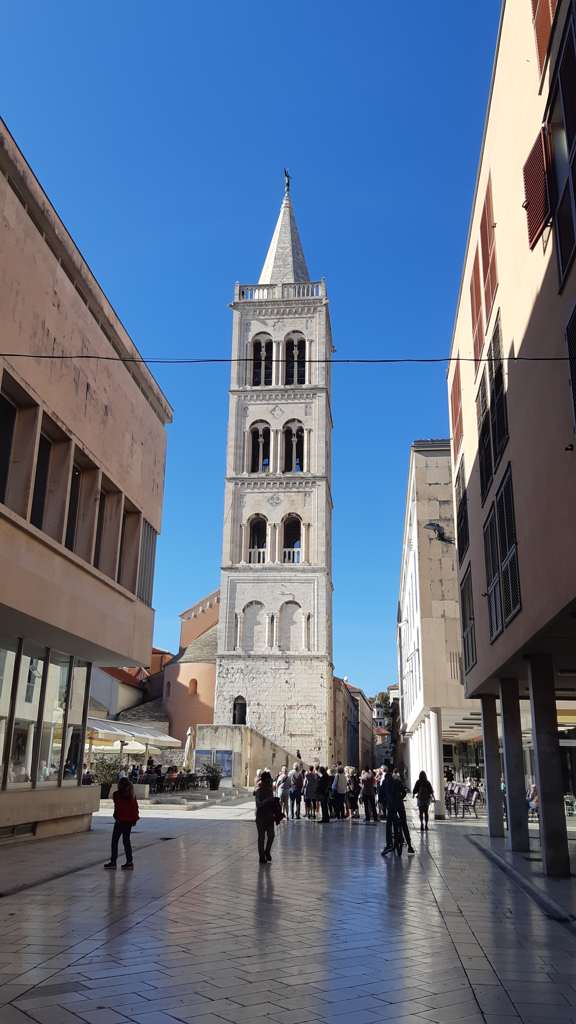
(290, 627)
(239, 711)
(292, 540)
(293, 437)
(260, 448)
(257, 540)
(254, 628)
(262, 360)
(295, 359)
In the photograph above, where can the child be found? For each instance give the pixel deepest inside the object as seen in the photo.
(125, 817)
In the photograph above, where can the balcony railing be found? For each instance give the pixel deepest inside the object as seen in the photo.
(264, 292)
(292, 556)
(257, 556)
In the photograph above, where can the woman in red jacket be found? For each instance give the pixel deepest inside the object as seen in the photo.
(125, 817)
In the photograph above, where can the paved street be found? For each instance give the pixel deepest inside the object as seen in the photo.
(329, 932)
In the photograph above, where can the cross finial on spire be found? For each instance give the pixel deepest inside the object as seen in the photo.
(287, 180)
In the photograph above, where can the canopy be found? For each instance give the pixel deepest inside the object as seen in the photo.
(127, 732)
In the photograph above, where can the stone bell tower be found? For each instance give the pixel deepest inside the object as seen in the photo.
(274, 664)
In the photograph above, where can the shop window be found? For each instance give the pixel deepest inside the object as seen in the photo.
(53, 718)
(26, 708)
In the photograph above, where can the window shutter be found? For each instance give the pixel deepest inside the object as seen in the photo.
(543, 12)
(456, 409)
(571, 339)
(488, 242)
(476, 306)
(536, 194)
(494, 593)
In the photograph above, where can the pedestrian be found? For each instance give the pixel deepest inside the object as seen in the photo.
(296, 783)
(424, 795)
(339, 787)
(368, 795)
(309, 791)
(394, 794)
(126, 815)
(268, 813)
(283, 789)
(323, 792)
(353, 793)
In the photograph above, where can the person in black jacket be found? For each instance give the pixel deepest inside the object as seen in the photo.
(266, 814)
(393, 792)
(323, 791)
(424, 795)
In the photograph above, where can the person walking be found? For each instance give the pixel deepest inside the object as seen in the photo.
(424, 795)
(126, 814)
(268, 812)
(368, 795)
(296, 783)
(283, 789)
(394, 794)
(323, 793)
(353, 793)
(309, 791)
(339, 787)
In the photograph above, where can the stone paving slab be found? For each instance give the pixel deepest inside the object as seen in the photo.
(330, 933)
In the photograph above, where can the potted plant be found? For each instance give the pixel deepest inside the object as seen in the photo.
(106, 769)
(212, 773)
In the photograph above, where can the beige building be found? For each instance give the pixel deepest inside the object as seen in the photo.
(512, 389)
(436, 718)
(189, 678)
(82, 446)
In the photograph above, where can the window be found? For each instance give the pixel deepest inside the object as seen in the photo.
(488, 243)
(467, 612)
(293, 437)
(295, 360)
(260, 448)
(7, 421)
(290, 627)
(99, 528)
(498, 406)
(32, 679)
(54, 712)
(571, 340)
(536, 192)
(456, 409)
(146, 564)
(73, 502)
(292, 540)
(262, 361)
(22, 740)
(257, 540)
(462, 534)
(239, 711)
(476, 306)
(562, 128)
(543, 12)
(484, 440)
(507, 549)
(254, 628)
(40, 481)
(493, 589)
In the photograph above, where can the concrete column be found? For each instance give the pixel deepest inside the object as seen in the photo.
(492, 769)
(548, 766)
(518, 838)
(426, 737)
(437, 752)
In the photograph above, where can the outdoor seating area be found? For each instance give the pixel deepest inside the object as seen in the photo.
(463, 798)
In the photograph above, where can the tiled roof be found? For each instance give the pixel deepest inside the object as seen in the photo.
(150, 711)
(129, 676)
(202, 649)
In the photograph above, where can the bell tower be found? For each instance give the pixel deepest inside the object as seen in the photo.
(274, 663)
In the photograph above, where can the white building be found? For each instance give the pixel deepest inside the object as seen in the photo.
(274, 663)
(435, 715)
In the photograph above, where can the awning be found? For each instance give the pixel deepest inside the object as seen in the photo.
(125, 732)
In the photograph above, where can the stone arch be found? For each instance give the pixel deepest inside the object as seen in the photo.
(293, 447)
(257, 539)
(290, 627)
(259, 447)
(295, 358)
(260, 364)
(254, 621)
(292, 539)
(239, 711)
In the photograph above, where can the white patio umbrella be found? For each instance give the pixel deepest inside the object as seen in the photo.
(188, 748)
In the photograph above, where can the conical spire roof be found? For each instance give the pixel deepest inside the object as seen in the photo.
(285, 263)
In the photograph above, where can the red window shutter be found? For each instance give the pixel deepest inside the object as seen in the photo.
(488, 241)
(536, 195)
(456, 410)
(476, 306)
(543, 12)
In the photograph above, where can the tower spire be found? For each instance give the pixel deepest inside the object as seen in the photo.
(285, 262)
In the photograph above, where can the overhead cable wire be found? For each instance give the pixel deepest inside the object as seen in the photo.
(206, 361)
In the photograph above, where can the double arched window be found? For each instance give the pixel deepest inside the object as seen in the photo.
(260, 448)
(262, 360)
(292, 540)
(257, 540)
(295, 359)
(293, 437)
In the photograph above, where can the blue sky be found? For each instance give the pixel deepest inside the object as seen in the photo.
(160, 133)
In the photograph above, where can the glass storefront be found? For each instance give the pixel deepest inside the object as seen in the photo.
(43, 708)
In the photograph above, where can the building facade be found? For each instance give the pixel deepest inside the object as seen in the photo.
(189, 679)
(434, 712)
(274, 663)
(82, 446)
(512, 392)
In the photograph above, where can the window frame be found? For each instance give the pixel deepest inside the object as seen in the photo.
(494, 577)
(556, 196)
(468, 625)
(484, 437)
(461, 502)
(507, 557)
